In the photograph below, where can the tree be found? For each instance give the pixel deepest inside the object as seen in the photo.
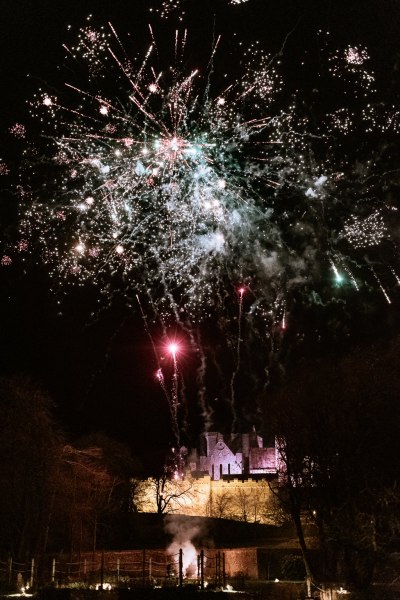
(170, 494)
(94, 492)
(138, 491)
(86, 496)
(220, 504)
(118, 460)
(339, 431)
(30, 449)
(242, 505)
(167, 492)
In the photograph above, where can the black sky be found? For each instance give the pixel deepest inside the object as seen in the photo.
(98, 363)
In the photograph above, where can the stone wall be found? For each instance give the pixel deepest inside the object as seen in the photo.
(249, 500)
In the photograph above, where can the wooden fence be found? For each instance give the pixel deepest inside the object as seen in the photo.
(115, 569)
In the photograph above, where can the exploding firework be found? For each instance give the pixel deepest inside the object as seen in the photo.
(177, 190)
(178, 185)
(170, 7)
(158, 190)
(362, 233)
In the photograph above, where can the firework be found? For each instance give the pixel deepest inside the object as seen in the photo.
(170, 7)
(365, 232)
(177, 185)
(157, 190)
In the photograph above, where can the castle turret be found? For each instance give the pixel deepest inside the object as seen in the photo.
(211, 440)
(246, 444)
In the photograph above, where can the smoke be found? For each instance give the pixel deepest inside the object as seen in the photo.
(185, 533)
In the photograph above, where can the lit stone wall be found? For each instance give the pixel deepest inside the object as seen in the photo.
(248, 500)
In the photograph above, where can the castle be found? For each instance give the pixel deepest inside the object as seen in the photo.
(225, 477)
(240, 454)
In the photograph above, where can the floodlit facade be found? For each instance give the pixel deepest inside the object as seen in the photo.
(225, 477)
(240, 454)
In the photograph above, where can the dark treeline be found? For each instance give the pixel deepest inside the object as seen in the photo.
(54, 495)
(338, 422)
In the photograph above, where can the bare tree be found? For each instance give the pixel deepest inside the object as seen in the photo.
(30, 447)
(220, 504)
(169, 494)
(138, 493)
(242, 505)
(87, 494)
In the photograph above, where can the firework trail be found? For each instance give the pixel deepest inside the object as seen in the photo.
(172, 397)
(205, 409)
(235, 372)
(173, 349)
(173, 183)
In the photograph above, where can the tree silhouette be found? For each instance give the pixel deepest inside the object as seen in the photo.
(30, 449)
(339, 432)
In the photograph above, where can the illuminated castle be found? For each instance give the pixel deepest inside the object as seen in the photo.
(240, 454)
(225, 477)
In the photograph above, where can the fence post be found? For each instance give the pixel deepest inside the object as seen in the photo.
(53, 570)
(9, 570)
(180, 567)
(32, 573)
(102, 571)
(150, 569)
(308, 581)
(223, 571)
(118, 570)
(217, 568)
(202, 569)
(144, 568)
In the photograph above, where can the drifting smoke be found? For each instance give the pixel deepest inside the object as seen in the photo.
(184, 531)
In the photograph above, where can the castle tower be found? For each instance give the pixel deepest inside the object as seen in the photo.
(211, 438)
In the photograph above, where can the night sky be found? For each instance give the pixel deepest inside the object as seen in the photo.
(94, 356)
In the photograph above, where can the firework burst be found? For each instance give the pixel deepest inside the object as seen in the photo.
(180, 185)
(156, 188)
(171, 7)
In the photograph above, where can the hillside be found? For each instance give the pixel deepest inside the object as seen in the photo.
(157, 531)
